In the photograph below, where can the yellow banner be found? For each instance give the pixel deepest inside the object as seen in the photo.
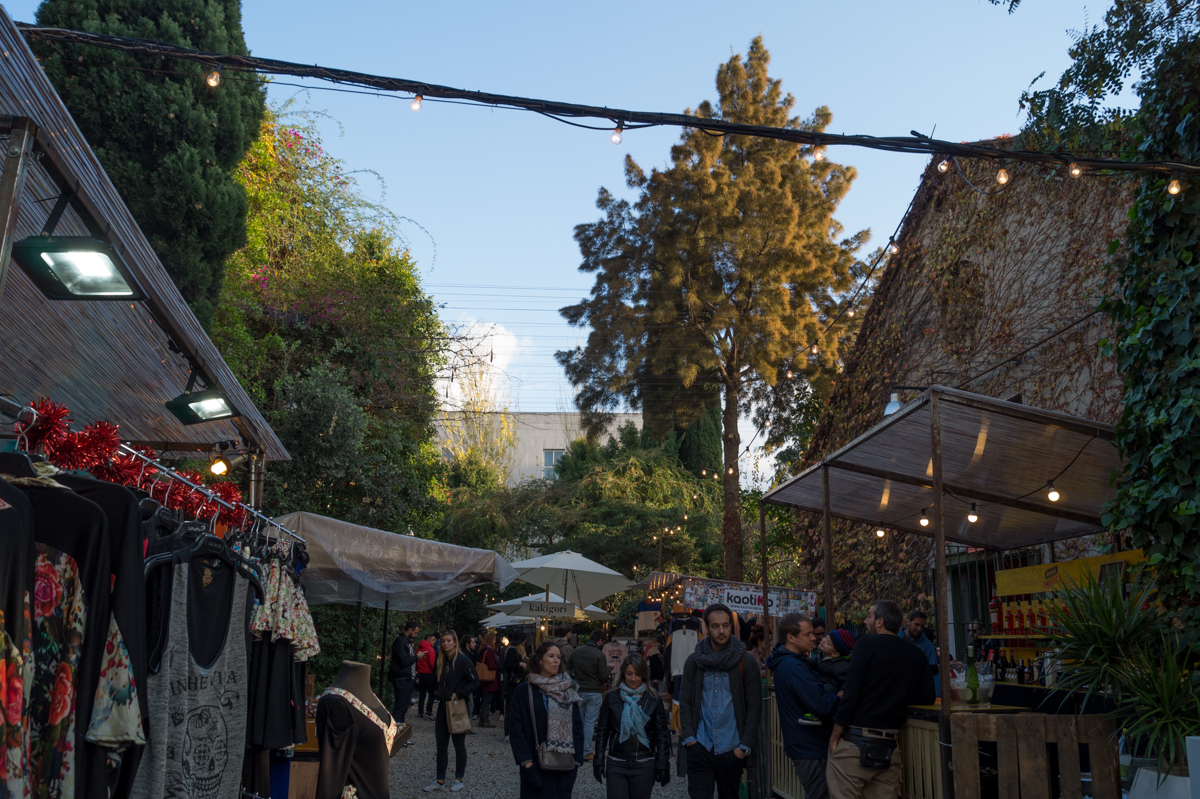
(1057, 576)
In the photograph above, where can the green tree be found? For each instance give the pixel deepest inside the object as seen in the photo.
(723, 272)
(168, 140)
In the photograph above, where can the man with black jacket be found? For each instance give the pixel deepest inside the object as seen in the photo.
(887, 674)
(589, 667)
(402, 670)
(720, 706)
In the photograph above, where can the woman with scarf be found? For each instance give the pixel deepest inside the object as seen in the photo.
(631, 735)
(545, 712)
(456, 679)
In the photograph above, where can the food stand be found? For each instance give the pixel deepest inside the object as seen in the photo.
(1029, 476)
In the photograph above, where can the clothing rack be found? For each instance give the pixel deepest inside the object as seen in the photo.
(172, 474)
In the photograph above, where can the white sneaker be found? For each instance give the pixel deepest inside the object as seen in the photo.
(435, 786)
(457, 786)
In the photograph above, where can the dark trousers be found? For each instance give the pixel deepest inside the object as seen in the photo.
(402, 691)
(441, 731)
(507, 690)
(485, 707)
(706, 770)
(551, 784)
(426, 685)
(625, 780)
(811, 774)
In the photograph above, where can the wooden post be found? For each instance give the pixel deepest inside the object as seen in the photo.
(762, 537)
(383, 648)
(12, 182)
(939, 589)
(358, 629)
(828, 543)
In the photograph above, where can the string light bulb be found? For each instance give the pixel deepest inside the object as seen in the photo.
(850, 312)
(893, 248)
(1074, 170)
(685, 517)
(704, 472)
(815, 349)
(944, 166)
(924, 519)
(818, 154)
(972, 517)
(880, 532)
(730, 470)
(789, 374)
(416, 106)
(1052, 494)
(1002, 176)
(213, 79)
(616, 136)
(1173, 187)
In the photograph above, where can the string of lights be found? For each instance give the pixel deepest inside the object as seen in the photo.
(621, 119)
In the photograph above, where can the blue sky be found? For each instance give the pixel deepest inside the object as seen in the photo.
(500, 192)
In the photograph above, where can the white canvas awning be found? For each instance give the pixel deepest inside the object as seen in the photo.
(350, 563)
(512, 606)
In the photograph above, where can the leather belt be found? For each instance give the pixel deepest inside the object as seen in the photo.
(868, 732)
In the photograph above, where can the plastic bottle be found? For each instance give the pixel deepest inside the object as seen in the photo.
(972, 679)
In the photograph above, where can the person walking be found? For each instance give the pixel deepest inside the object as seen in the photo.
(563, 638)
(632, 740)
(488, 688)
(589, 667)
(720, 706)
(456, 679)
(545, 713)
(402, 670)
(470, 647)
(887, 674)
(426, 682)
(805, 707)
(513, 662)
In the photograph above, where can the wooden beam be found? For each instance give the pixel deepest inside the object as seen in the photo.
(1025, 413)
(939, 553)
(17, 159)
(827, 536)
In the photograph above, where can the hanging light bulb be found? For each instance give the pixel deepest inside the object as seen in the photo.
(815, 349)
(880, 532)
(850, 311)
(416, 106)
(695, 496)
(789, 374)
(704, 472)
(616, 137)
(716, 476)
(213, 79)
(685, 517)
(924, 519)
(1173, 187)
(818, 154)
(730, 470)
(768, 423)
(944, 166)
(893, 249)
(1074, 170)
(1052, 494)
(1002, 176)
(972, 517)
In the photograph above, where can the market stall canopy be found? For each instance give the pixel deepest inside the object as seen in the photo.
(580, 580)
(504, 620)
(108, 361)
(590, 613)
(350, 563)
(996, 454)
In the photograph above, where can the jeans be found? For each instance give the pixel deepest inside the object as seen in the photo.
(443, 737)
(403, 690)
(426, 685)
(625, 780)
(589, 708)
(706, 770)
(485, 707)
(811, 774)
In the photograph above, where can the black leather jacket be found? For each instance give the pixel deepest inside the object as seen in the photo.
(608, 730)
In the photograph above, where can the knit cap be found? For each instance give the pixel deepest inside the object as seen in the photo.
(842, 640)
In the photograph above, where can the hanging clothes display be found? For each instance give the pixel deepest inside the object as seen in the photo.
(356, 734)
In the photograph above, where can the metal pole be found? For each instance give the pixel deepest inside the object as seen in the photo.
(828, 540)
(762, 537)
(940, 587)
(357, 632)
(12, 182)
(383, 647)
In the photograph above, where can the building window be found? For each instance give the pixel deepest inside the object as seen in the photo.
(550, 459)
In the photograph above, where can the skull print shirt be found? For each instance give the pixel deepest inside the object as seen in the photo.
(197, 697)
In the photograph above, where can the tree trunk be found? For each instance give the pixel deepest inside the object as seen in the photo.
(731, 529)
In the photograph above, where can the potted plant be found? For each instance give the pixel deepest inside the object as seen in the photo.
(1120, 646)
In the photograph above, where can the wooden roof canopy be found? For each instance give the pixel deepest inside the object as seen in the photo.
(106, 361)
(996, 454)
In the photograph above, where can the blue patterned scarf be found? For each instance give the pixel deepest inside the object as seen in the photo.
(633, 718)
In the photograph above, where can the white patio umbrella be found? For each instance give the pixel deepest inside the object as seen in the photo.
(505, 620)
(592, 612)
(578, 579)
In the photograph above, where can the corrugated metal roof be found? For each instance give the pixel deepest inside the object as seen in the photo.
(104, 360)
(996, 454)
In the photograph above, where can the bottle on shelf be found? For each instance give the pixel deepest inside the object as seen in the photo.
(1019, 619)
(1043, 624)
(1029, 672)
(1030, 620)
(972, 678)
(996, 610)
(1020, 671)
(1008, 619)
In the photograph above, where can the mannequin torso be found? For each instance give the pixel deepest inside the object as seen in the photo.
(356, 678)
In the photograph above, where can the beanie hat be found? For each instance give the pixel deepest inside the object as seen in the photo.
(842, 640)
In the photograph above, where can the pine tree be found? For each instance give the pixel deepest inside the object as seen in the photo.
(168, 140)
(721, 274)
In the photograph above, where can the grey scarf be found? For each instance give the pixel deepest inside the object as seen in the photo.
(707, 659)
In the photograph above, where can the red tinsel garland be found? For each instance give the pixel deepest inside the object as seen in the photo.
(96, 450)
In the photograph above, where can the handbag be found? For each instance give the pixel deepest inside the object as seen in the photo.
(547, 760)
(485, 673)
(458, 716)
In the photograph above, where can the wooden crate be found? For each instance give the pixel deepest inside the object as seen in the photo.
(1023, 757)
(920, 752)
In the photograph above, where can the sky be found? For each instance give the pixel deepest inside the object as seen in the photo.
(492, 196)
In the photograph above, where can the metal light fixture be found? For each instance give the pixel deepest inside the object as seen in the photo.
(75, 268)
(894, 404)
(224, 464)
(194, 407)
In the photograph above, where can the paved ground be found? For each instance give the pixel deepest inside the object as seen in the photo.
(491, 772)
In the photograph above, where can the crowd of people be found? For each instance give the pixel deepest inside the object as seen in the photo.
(841, 700)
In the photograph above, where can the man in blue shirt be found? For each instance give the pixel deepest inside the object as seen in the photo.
(799, 693)
(914, 632)
(720, 706)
